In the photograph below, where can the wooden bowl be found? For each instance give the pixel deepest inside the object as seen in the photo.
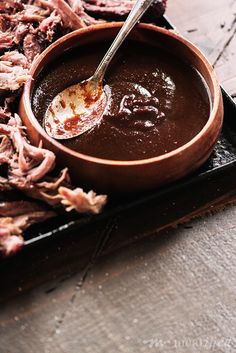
(128, 176)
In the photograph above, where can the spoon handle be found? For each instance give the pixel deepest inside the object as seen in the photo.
(136, 13)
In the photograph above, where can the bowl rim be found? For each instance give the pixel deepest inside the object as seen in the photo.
(26, 101)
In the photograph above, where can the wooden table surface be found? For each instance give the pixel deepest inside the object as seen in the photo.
(172, 292)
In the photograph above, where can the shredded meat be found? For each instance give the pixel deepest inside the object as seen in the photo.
(32, 13)
(82, 202)
(11, 5)
(108, 8)
(4, 184)
(20, 208)
(13, 71)
(9, 243)
(15, 217)
(119, 9)
(28, 165)
(6, 150)
(46, 190)
(6, 40)
(12, 76)
(31, 47)
(15, 58)
(49, 25)
(20, 31)
(78, 8)
(29, 162)
(5, 109)
(69, 17)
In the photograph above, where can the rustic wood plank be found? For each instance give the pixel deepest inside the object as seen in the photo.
(173, 292)
(208, 24)
(211, 25)
(174, 289)
(226, 68)
(177, 288)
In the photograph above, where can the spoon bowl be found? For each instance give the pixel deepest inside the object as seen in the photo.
(75, 110)
(80, 107)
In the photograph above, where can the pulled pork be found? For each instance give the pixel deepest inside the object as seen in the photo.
(28, 167)
(13, 71)
(6, 40)
(119, 9)
(27, 27)
(49, 25)
(82, 202)
(15, 217)
(69, 18)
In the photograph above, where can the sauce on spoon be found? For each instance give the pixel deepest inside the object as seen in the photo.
(81, 106)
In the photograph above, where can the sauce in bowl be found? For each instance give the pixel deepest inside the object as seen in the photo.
(156, 102)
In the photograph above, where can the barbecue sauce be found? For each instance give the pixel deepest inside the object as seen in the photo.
(156, 102)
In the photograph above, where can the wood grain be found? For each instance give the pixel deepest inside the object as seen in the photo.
(177, 289)
(211, 25)
(172, 292)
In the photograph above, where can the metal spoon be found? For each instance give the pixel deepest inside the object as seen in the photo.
(80, 107)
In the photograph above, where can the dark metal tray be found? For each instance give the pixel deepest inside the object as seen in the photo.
(65, 243)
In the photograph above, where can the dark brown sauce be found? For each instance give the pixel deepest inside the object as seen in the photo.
(156, 102)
